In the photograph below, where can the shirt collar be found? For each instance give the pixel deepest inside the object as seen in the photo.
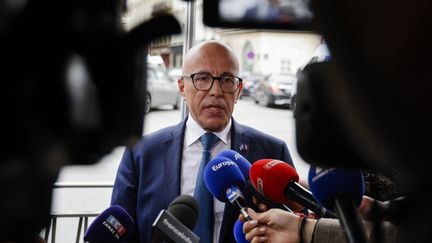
(194, 132)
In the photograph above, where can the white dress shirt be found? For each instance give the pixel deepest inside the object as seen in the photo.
(192, 153)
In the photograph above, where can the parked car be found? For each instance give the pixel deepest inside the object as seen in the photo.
(250, 82)
(275, 90)
(161, 89)
(175, 73)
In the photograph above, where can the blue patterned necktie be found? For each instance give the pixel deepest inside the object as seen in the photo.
(204, 228)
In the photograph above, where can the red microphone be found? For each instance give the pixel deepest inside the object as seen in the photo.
(276, 174)
(277, 180)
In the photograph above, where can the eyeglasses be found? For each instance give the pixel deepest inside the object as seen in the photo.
(204, 82)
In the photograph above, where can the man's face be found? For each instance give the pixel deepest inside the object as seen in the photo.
(211, 109)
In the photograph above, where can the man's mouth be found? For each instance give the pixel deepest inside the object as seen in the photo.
(214, 108)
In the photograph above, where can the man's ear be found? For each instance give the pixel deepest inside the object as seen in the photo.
(240, 90)
(180, 84)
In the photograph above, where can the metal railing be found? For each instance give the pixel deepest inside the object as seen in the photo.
(83, 217)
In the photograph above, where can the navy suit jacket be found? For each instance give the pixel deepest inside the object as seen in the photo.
(148, 177)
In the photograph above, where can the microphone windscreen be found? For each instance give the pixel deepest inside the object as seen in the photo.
(270, 177)
(241, 161)
(114, 224)
(327, 184)
(185, 209)
(239, 236)
(221, 174)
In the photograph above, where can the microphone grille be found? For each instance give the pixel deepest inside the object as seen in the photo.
(185, 209)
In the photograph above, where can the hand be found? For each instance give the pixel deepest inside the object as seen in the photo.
(274, 225)
(261, 206)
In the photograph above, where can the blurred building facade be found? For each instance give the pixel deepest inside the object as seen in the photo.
(260, 51)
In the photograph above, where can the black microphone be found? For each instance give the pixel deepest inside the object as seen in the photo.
(277, 180)
(341, 190)
(176, 223)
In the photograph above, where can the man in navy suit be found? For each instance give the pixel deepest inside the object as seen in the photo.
(164, 164)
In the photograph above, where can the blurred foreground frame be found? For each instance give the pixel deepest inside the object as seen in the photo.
(292, 15)
(372, 108)
(74, 81)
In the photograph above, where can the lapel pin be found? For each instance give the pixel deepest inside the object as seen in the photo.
(243, 147)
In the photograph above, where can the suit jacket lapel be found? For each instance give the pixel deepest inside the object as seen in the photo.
(242, 143)
(239, 141)
(172, 161)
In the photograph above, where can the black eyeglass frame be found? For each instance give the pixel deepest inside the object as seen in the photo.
(239, 81)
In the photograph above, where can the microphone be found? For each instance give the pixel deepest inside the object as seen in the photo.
(239, 236)
(224, 181)
(176, 223)
(244, 166)
(340, 190)
(277, 180)
(114, 224)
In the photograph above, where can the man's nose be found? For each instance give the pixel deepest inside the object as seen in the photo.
(216, 89)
